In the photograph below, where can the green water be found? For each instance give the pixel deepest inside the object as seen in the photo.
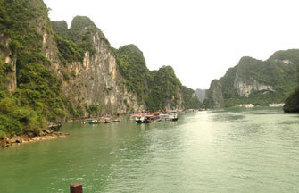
(249, 150)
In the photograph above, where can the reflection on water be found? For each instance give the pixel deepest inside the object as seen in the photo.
(230, 150)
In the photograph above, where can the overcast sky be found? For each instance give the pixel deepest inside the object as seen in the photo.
(200, 39)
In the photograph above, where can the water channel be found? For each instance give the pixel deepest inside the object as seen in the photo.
(232, 150)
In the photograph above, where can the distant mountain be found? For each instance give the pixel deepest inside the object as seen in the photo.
(254, 81)
(200, 93)
(191, 101)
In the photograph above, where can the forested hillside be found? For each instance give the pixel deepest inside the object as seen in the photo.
(158, 90)
(30, 93)
(258, 82)
(50, 73)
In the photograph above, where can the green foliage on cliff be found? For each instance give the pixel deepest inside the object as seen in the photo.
(131, 64)
(16, 118)
(227, 83)
(3, 72)
(292, 102)
(82, 22)
(75, 42)
(280, 72)
(60, 28)
(164, 88)
(190, 99)
(154, 88)
(69, 52)
(38, 97)
(93, 110)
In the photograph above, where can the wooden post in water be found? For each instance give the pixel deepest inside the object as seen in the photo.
(76, 188)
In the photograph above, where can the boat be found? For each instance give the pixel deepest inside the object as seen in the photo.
(173, 116)
(148, 118)
(140, 119)
(92, 121)
(155, 118)
(108, 120)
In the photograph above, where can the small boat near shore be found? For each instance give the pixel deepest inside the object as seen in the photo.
(90, 121)
(173, 116)
(103, 120)
(155, 117)
(108, 120)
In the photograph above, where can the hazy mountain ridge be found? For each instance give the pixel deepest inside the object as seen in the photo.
(200, 93)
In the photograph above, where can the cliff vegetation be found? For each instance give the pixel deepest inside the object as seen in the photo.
(50, 73)
(191, 100)
(158, 90)
(258, 82)
(292, 102)
(38, 97)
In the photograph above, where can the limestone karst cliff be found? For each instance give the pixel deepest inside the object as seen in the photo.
(214, 97)
(121, 73)
(49, 73)
(95, 80)
(256, 82)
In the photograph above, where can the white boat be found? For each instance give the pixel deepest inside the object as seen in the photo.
(140, 119)
(173, 116)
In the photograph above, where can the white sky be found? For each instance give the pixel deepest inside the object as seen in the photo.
(200, 39)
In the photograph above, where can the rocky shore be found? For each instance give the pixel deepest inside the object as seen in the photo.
(31, 137)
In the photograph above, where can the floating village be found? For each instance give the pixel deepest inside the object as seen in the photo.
(143, 117)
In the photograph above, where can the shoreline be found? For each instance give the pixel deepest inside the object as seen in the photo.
(26, 139)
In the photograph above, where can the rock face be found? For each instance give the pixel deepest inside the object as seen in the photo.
(214, 95)
(9, 62)
(245, 89)
(200, 93)
(49, 73)
(96, 81)
(255, 81)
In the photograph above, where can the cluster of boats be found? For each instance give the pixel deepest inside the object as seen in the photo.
(155, 117)
(141, 118)
(105, 120)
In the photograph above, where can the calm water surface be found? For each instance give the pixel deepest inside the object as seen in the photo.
(234, 150)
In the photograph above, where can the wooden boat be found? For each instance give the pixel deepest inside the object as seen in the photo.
(92, 121)
(107, 120)
(155, 118)
(173, 116)
(140, 119)
(148, 119)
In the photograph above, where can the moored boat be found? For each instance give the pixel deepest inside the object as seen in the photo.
(92, 121)
(108, 120)
(155, 117)
(140, 119)
(173, 116)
